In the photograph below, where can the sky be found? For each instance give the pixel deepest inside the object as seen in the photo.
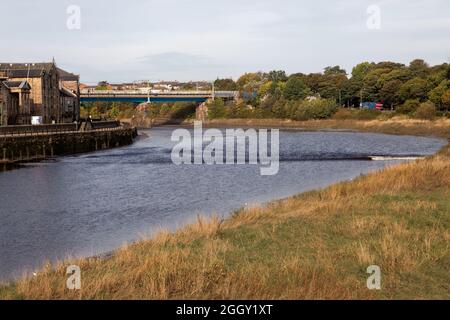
(123, 41)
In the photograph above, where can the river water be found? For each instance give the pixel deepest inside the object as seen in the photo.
(93, 203)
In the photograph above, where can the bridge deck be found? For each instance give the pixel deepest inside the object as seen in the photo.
(139, 97)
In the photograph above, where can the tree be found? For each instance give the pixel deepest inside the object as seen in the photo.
(371, 86)
(332, 83)
(402, 75)
(216, 109)
(336, 70)
(415, 88)
(114, 112)
(436, 95)
(446, 99)
(264, 89)
(295, 89)
(355, 84)
(389, 65)
(389, 92)
(225, 85)
(361, 70)
(419, 68)
(250, 82)
(277, 76)
(312, 80)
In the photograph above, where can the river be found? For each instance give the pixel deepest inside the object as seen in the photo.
(93, 203)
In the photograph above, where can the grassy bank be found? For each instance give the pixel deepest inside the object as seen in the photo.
(397, 125)
(316, 245)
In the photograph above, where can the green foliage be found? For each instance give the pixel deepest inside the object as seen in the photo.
(314, 109)
(277, 95)
(277, 76)
(439, 95)
(295, 89)
(125, 110)
(115, 111)
(250, 82)
(409, 107)
(336, 70)
(389, 93)
(419, 68)
(240, 111)
(415, 88)
(216, 109)
(225, 85)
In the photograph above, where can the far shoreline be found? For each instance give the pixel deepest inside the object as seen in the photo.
(439, 128)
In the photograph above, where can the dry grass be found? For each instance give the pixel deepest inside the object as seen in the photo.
(396, 125)
(316, 245)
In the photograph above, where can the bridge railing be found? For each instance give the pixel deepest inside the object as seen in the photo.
(88, 93)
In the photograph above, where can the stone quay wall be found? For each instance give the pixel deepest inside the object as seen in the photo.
(28, 148)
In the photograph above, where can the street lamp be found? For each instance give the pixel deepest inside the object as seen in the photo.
(148, 91)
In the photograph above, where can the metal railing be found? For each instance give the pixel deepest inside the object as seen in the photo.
(37, 129)
(31, 130)
(88, 93)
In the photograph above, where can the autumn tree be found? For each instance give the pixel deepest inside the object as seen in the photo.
(295, 89)
(225, 85)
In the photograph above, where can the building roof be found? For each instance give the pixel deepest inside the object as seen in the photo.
(25, 70)
(67, 76)
(67, 93)
(17, 85)
(32, 73)
(34, 70)
(46, 66)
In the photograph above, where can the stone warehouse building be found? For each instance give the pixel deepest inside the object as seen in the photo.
(69, 95)
(15, 103)
(54, 93)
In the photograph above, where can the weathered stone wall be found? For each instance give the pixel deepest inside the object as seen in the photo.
(31, 148)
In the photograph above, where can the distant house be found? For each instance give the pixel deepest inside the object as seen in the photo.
(15, 104)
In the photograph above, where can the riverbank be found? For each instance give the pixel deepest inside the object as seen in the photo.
(312, 246)
(397, 125)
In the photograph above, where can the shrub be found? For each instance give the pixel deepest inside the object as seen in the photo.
(315, 109)
(426, 111)
(343, 114)
(409, 107)
(239, 111)
(216, 109)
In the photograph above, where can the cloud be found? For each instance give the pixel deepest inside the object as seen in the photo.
(175, 61)
(203, 39)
